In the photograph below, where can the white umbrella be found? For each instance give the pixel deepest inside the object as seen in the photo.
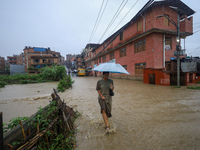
(110, 67)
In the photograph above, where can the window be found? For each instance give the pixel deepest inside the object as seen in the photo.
(122, 52)
(168, 66)
(36, 61)
(168, 43)
(166, 21)
(44, 60)
(111, 55)
(99, 59)
(139, 25)
(140, 46)
(104, 58)
(125, 66)
(121, 36)
(51, 61)
(139, 68)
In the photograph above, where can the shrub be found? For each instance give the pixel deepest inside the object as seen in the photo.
(2, 84)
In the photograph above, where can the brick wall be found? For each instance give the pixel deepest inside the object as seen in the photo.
(154, 54)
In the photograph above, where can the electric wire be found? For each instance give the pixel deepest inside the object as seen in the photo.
(124, 16)
(114, 18)
(196, 31)
(96, 22)
(197, 27)
(197, 10)
(190, 52)
(194, 49)
(197, 23)
(101, 16)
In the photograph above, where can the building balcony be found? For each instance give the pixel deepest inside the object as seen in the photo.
(186, 25)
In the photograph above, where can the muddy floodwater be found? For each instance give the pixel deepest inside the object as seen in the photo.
(145, 117)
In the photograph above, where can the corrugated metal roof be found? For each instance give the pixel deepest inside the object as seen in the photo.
(36, 49)
(189, 66)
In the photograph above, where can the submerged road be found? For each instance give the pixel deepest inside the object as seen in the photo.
(145, 117)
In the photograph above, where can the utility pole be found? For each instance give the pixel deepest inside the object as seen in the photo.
(178, 50)
(177, 38)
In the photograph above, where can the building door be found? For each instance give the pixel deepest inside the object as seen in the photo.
(191, 77)
(151, 78)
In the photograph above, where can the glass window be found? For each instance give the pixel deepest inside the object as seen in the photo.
(122, 52)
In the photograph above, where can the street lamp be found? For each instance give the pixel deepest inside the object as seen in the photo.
(177, 39)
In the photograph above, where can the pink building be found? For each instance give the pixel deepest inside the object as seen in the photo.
(146, 41)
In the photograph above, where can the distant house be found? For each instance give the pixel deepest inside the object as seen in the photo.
(2, 63)
(12, 59)
(37, 57)
(16, 59)
(88, 54)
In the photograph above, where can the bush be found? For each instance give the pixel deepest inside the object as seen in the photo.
(65, 83)
(54, 73)
(194, 87)
(2, 84)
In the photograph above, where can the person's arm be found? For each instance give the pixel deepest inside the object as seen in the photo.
(102, 97)
(111, 86)
(98, 88)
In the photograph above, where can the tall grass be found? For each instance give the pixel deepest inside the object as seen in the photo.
(54, 73)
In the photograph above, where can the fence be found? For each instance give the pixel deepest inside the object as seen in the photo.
(17, 69)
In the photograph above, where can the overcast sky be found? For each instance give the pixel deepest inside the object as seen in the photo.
(66, 25)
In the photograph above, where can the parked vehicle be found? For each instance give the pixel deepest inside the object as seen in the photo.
(81, 72)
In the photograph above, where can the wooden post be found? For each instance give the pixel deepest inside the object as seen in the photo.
(24, 135)
(1, 131)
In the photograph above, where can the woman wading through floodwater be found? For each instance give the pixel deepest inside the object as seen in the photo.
(105, 100)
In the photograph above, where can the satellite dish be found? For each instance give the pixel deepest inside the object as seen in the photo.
(167, 47)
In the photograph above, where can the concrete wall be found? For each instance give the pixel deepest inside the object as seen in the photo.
(160, 77)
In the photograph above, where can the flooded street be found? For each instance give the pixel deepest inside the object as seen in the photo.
(19, 100)
(145, 117)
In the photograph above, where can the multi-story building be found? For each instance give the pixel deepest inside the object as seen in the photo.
(78, 62)
(12, 59)
(70, 61)
(146, 41)
(88, 54)
(2, 63)
(39, 57)
(20, 59)
(62, 60)
(16, 59)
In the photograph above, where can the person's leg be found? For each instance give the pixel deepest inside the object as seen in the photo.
(105, 118)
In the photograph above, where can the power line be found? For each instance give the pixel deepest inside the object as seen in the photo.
(114, 18)
(194, 49)
(197, 27)
(196, 31)
(125, 16)
(96, 22)
(190, 52)
(101, 16)
(197, 23)
(197, 10)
